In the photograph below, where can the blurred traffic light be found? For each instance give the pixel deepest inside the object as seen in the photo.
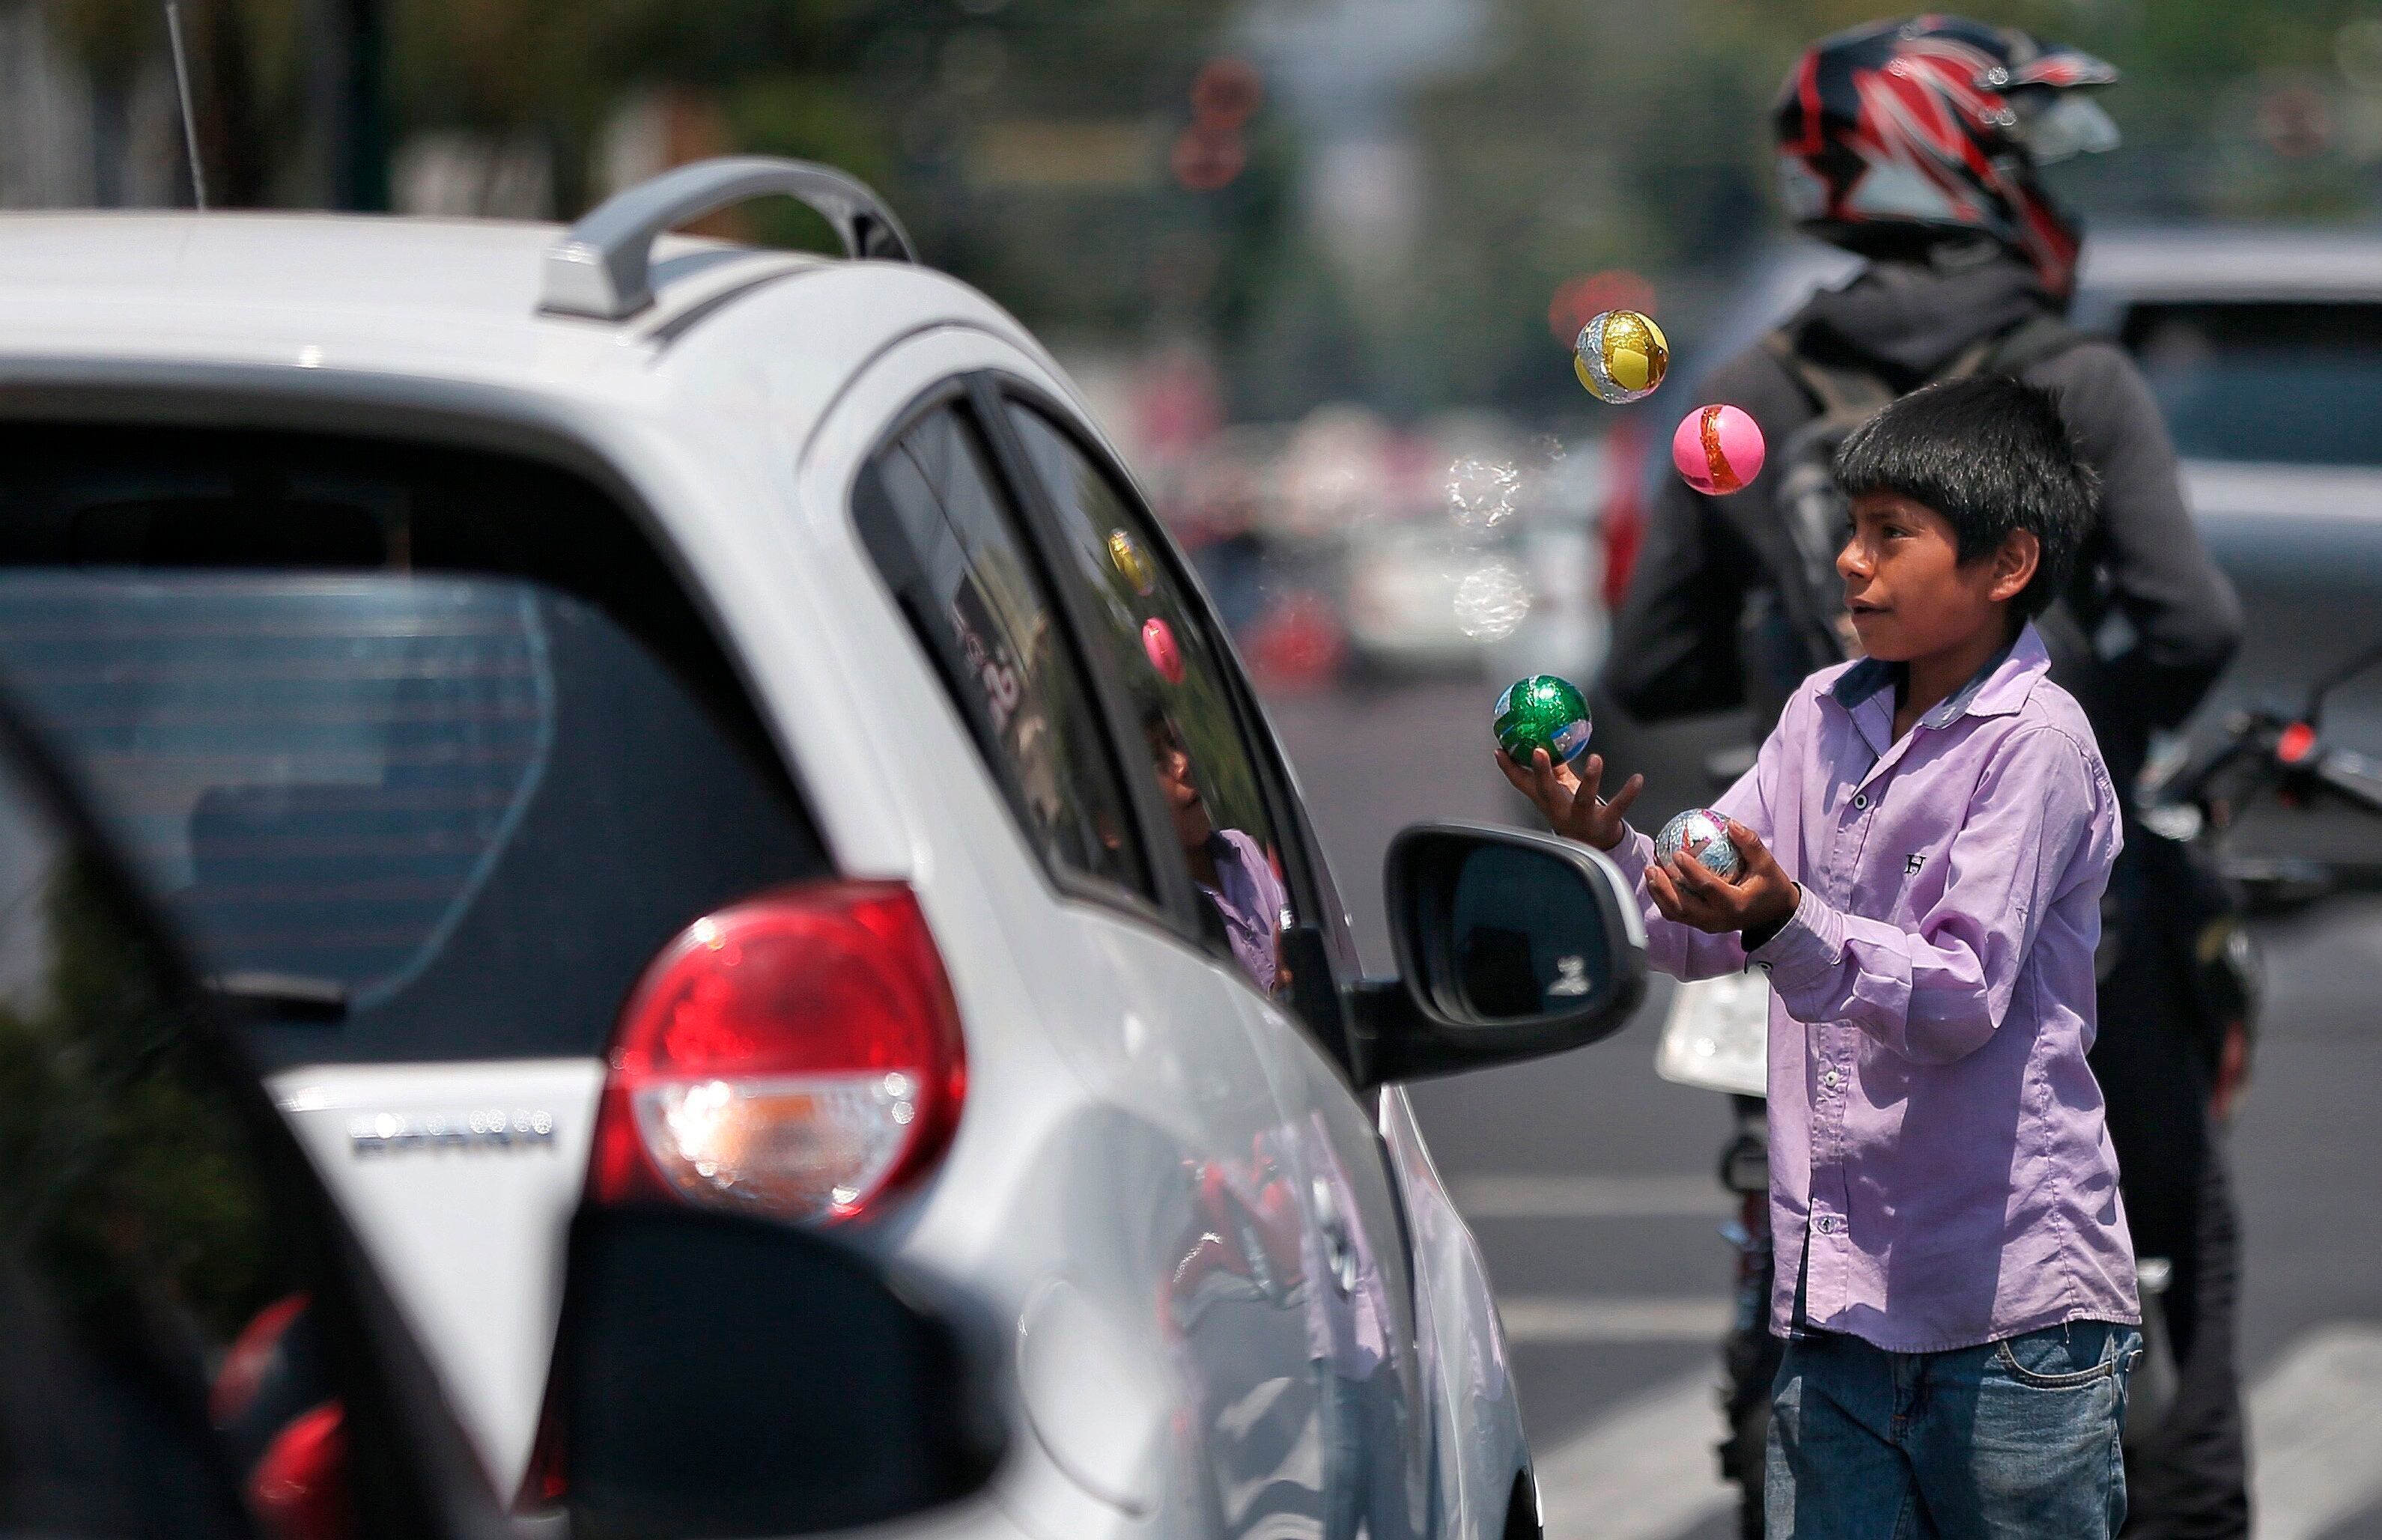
(1211, 151)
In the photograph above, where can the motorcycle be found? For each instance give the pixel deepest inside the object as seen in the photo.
(1716, 1034)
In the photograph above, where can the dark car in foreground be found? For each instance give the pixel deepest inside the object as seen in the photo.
(196, 1345)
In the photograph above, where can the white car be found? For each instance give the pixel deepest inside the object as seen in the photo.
(638, 721)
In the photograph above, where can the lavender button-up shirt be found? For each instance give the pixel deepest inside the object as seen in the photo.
(1938, 1157)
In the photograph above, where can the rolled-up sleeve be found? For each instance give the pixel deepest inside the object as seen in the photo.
(1937, 993)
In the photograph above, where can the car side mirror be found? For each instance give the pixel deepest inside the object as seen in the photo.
(1510, 946)
(720, 1376)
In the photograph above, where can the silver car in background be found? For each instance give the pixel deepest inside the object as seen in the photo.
(2264, 349)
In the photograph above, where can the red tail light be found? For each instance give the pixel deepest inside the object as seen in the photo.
(797, 1055)
(299, 1487)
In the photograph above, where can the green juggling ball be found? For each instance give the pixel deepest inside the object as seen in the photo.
(1542, 712)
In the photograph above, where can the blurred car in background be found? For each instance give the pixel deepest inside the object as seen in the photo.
(1465, 546)
(2264, 349)
(641, 727)
(1502, 576)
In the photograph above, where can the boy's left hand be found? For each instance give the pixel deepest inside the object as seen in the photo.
(1762, 899)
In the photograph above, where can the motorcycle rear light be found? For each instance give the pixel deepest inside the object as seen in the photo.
(798, 1056)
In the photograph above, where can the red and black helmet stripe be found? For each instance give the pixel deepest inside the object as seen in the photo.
(1913, 123)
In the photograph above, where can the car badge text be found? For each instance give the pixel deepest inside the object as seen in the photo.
(393, 1133)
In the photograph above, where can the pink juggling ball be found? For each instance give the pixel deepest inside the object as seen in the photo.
(1718, 449)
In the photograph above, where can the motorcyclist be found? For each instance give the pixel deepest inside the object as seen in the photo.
(1916, 144)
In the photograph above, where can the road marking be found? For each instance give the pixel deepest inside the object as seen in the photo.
(1540, 1320)
(1645, 1470)
(2316, 1425)
(1523, 1195)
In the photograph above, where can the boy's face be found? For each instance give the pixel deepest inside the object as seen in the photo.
(1180, 789)
(1907, 591)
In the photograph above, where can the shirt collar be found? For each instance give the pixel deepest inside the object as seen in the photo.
(1998, 688)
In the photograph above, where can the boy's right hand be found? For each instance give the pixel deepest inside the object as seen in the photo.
(1569, 802)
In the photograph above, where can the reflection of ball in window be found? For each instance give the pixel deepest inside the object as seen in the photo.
(1132, 563)
(1158, 642)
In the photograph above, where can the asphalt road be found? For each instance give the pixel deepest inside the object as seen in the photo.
(1590, 1181)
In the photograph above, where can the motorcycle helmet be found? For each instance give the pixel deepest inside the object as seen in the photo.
(1896, 136)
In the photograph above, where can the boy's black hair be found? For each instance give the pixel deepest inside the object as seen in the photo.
(1992, 455)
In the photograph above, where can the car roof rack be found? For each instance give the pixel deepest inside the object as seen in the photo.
(602, 267)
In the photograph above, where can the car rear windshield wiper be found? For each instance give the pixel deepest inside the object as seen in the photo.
(282, 997)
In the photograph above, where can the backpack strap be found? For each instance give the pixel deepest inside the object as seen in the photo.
(1971, 360)
(1835, 392)
(1851, 391)
(2038, 337)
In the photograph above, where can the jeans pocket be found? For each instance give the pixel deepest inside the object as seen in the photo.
(2047, 1360)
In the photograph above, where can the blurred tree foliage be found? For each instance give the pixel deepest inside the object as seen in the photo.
(122, 1170)
(1028, 143)
(905, 93)
(1637, 137)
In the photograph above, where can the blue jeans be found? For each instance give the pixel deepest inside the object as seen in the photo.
(2016, 1438)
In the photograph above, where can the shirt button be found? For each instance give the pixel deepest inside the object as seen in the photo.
(1831, 1080)
(1860, 799)
(1825, 1223)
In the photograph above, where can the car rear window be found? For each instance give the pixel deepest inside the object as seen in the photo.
(402, 813)
(2295, 384)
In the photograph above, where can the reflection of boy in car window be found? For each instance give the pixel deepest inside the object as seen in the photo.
(1230, 867)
